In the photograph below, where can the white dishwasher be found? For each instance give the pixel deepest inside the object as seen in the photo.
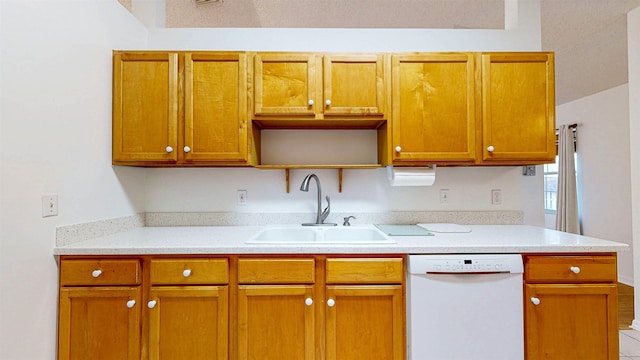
(465, 307)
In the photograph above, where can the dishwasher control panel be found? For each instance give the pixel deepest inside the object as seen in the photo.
(465, 263)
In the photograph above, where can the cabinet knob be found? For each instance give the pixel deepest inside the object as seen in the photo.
(131, 303)
(575, 269)
(187, 149)
(328, 102)
(96, 273)
(331, 303)
(308, 301)
(169, 149)
(186, 273)
(310, 102)
(151, 304)
(398, 148)
(535, 301)
(490, 148)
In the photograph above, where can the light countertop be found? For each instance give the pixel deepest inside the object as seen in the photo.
(232, 240)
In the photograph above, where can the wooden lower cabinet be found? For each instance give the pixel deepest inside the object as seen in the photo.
(99, 323)
(571, 307)
(276, 322)
(365, 322)
(188, 322)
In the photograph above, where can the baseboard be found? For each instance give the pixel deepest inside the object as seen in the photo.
(635, 325)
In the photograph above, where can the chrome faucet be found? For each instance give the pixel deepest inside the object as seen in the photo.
(322, 215)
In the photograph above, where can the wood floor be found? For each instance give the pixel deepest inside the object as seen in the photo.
(625, 306)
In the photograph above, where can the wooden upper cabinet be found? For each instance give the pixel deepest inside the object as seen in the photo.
(518, 108)
(317, 85)
(145, 107)
(215, 122)
(353, 85)
(433, 108)
(284, 84)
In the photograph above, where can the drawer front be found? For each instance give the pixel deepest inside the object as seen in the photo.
(276, 271)
(570, 269)
(99, 272)
(189, 271)
(365, 271)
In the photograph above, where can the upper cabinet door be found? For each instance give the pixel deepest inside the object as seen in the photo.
(518, 107)
(433, 108)
(354, 84)
(215, 126)
(285, 84)
(145, 107)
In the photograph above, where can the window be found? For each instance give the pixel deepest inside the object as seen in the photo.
(551, 187)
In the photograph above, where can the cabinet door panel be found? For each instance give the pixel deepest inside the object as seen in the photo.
(284, 84)
(433, 107)
(354, 84)
(189, 322)
(274, 322)
(366, 322)
(215, 107)
(96, 323)
(518, 106)
(145, 107)
(571, 322)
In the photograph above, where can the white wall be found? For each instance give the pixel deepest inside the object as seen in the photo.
(56, 129)
(633, 39)
(364, 190)
(55, 132)
(604, 181)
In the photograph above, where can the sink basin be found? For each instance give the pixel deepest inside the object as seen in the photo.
(362, 234)
(284, 235)
(355, 234)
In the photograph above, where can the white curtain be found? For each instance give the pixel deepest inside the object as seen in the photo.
(567, 218)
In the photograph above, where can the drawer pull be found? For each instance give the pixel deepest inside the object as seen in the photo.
(331, 303)
(96, 273)
(308, 301)
(131, 303)
(575, 269)
(151, 304)
(186, 273)
(310, 102)
(535, 301)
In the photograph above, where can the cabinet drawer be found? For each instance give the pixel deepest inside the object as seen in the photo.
(365, 271)
(276, 271)
(570, 269)
(99, 272)
(189, 271)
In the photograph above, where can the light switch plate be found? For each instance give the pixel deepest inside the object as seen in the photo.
(49, 205)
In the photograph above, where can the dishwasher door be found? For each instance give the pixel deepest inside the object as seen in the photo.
(465, 307)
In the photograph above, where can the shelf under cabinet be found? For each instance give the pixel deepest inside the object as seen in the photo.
(287, 169)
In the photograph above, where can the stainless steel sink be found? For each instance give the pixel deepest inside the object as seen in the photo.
(295, 234)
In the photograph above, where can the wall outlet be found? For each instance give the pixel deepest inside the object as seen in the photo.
(496, 197)
(242, 197)
(529, 170)
(444, 196)
(49, 205)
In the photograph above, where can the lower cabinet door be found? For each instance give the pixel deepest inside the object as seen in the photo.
(571, 321)
(99, 323)
(188, 322)
(365, 322)
(276, 322)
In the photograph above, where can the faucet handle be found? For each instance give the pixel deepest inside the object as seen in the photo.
(346, 220)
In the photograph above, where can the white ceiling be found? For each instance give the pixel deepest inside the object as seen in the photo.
(589, 37)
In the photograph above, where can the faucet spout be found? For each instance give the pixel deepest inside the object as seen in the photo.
(320, 215)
